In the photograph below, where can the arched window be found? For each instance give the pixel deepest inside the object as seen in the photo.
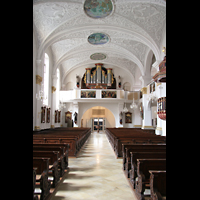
(58, 88)
(46, 79)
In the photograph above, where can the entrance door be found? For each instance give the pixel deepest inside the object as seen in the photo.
(98, 121)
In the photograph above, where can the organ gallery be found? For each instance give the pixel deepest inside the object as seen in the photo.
(98, 77)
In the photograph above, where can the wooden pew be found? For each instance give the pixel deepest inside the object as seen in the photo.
(158, 184)
(75, 137)
(131, 147)
(142, 155)
(35, 197)
(64, 146)
(131, 135)
(42, 165)
(143, 175)
(60, 150)
(53, 164)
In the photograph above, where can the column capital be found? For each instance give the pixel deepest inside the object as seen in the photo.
(144, 90)
(38, 79)
(53, 89)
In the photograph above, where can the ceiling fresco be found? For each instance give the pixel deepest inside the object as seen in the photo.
(121, 33)
(98, 38)
(98, 8)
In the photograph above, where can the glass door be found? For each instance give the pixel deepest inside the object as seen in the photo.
(101, 124)
(98, 121)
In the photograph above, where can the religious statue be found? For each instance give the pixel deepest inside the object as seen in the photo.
(77, 81)
(120, 117)
(75, 117)
(119, 81)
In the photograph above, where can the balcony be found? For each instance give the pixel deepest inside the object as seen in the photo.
(100, 95)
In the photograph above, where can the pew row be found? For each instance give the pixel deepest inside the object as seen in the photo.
(75, 137)
(42, 167)
(143, 175)
(158, 184)
(117, 137)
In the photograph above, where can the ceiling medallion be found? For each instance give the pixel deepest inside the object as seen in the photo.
(98, 38)
(98, 56)
(98, 8)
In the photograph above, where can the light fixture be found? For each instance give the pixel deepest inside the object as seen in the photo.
(133, 105)
(62, 105)
(164, 50)
(40, 94)
(125, 108)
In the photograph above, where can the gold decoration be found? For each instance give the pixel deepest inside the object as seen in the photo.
(53, 89)
(37, 128)
(147, 127)
(144, 90)
(38, 79)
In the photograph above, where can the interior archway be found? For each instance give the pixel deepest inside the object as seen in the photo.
(97, 112)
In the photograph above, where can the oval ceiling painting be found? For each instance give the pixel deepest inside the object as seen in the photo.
(98, 56)
(98, 38)
(98, 8)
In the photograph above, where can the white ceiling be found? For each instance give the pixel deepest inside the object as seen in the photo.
(134, 27)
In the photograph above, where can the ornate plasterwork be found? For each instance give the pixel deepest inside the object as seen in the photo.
(134, 27)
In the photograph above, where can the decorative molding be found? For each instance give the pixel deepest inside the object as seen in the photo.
(144, 90)
(158, 128)
(53, 89)
(38, 79)
(147, 127)
(37, 128)
(137, 126)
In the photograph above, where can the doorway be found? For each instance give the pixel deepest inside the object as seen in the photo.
(101, 121)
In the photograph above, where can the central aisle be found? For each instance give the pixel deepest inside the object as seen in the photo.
(95, 174)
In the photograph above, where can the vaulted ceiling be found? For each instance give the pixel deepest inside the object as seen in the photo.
(133, 27)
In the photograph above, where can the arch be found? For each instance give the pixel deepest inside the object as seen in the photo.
(57, 36)
(111, 107)
(148, 62)
(126, 86)
(69, 86)
(85, 63)
(150, 104)
(125, 53)
(110, 119)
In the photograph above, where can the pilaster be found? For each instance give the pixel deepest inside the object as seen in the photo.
(147, 121)
(39, 78)
(53, 100)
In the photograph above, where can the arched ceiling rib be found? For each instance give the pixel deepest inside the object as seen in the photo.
(134, 28)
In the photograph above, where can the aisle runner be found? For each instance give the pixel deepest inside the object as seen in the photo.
(95, 174)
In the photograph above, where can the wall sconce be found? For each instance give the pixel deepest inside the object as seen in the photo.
(164, 50)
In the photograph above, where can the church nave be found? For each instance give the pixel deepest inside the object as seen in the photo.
(94, 174)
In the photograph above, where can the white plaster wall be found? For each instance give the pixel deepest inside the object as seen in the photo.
(70, 79)
(34, 80)
(110, 119)
(113, 108)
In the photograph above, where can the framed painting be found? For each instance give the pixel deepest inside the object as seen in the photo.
(68, 116)
(109, 94)
(43, 114)
(128, 117)
(59, 113)
(56, 116)
(48, 115)
(88, 94)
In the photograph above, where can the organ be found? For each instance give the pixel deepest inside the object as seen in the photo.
(98, 77)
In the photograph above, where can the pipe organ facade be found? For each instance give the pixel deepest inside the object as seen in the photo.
(98, 77)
